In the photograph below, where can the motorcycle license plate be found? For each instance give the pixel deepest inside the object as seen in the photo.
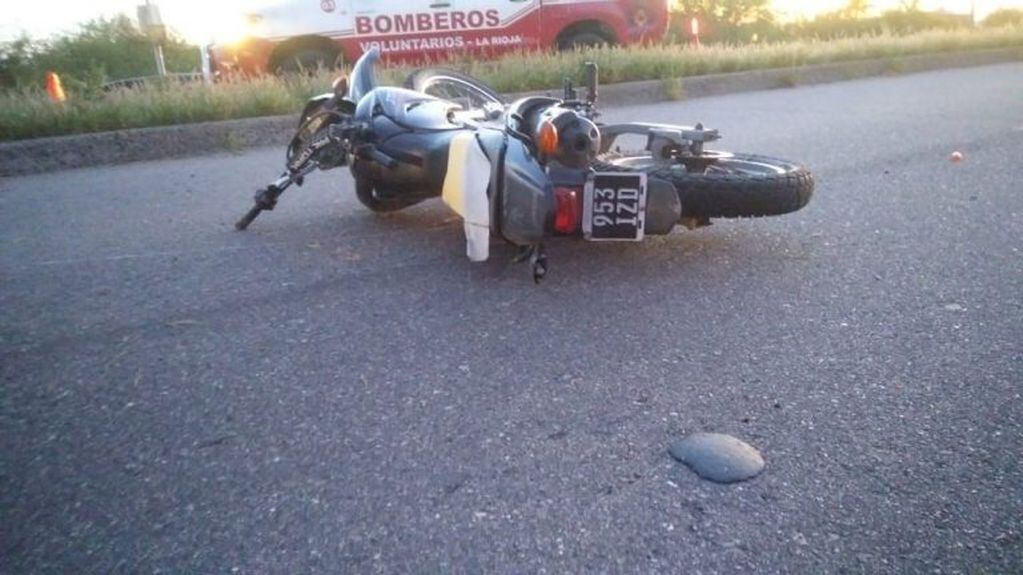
(614, 206)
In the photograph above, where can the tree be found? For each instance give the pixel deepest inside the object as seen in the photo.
(734, 12)
(117, 47)
(855, 10)
(16, 62)
(728, 20)
(101, 50)
(1004, 17)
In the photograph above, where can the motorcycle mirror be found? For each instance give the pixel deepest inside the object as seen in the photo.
(340, 86)
(345, 107)
(570, 93)
(592, 81)
(340, 91)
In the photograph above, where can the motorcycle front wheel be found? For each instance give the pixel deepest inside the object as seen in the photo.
(732, 186)
(453, 86)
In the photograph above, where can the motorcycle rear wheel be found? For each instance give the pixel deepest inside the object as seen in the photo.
(734, 186)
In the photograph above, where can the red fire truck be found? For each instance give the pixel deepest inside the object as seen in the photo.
(302, 34)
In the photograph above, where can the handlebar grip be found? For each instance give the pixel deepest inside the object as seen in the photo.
(248, 218)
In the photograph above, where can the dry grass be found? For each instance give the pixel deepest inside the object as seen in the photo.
(28, 114)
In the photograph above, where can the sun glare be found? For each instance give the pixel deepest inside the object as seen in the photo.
(795, 9)
(201, 21)
(228, 29)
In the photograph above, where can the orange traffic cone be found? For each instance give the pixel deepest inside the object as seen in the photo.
(54, 88)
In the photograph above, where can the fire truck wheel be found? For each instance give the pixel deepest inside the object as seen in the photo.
(306, 61)
(581, 40)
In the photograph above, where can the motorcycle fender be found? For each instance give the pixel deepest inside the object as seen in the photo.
(663, 208)
(465, 191)
(527, 197)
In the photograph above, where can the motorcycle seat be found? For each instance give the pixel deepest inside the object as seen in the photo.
(409, 109)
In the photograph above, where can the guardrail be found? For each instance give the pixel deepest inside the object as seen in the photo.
(140, 81)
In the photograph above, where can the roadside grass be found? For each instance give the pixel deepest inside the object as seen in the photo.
(663, 62)
(29, 114)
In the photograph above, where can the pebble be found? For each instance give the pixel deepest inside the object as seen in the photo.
(718, 457)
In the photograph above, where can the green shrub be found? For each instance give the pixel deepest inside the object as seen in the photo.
(1004, 17)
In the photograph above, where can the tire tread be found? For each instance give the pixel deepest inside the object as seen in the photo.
(717, 195)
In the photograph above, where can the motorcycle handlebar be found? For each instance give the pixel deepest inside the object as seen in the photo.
(248, 218)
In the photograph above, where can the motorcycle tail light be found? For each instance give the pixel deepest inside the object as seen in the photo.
(569, 210)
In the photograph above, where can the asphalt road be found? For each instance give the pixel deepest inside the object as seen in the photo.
(337, 391)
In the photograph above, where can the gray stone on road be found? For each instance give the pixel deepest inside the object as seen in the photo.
(718, 457)
(335, 390)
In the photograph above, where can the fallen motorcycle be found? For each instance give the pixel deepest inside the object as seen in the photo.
(527, 171)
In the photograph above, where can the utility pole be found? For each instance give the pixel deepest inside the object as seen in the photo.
(161, 65)
(152, 25)
(204, 64)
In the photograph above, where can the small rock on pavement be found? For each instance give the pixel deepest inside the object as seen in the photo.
(718, 457)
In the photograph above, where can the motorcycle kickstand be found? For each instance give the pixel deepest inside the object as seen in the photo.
(537, 260)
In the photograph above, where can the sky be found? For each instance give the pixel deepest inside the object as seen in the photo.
(202, 20)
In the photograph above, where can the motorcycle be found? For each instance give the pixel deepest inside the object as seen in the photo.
(529, 170)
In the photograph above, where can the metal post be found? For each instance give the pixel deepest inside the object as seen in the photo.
(161, 65)
(204, 65)
(151, 23)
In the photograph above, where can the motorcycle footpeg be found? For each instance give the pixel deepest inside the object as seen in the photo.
(537, 259)
(539, 265)
(522, 254)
